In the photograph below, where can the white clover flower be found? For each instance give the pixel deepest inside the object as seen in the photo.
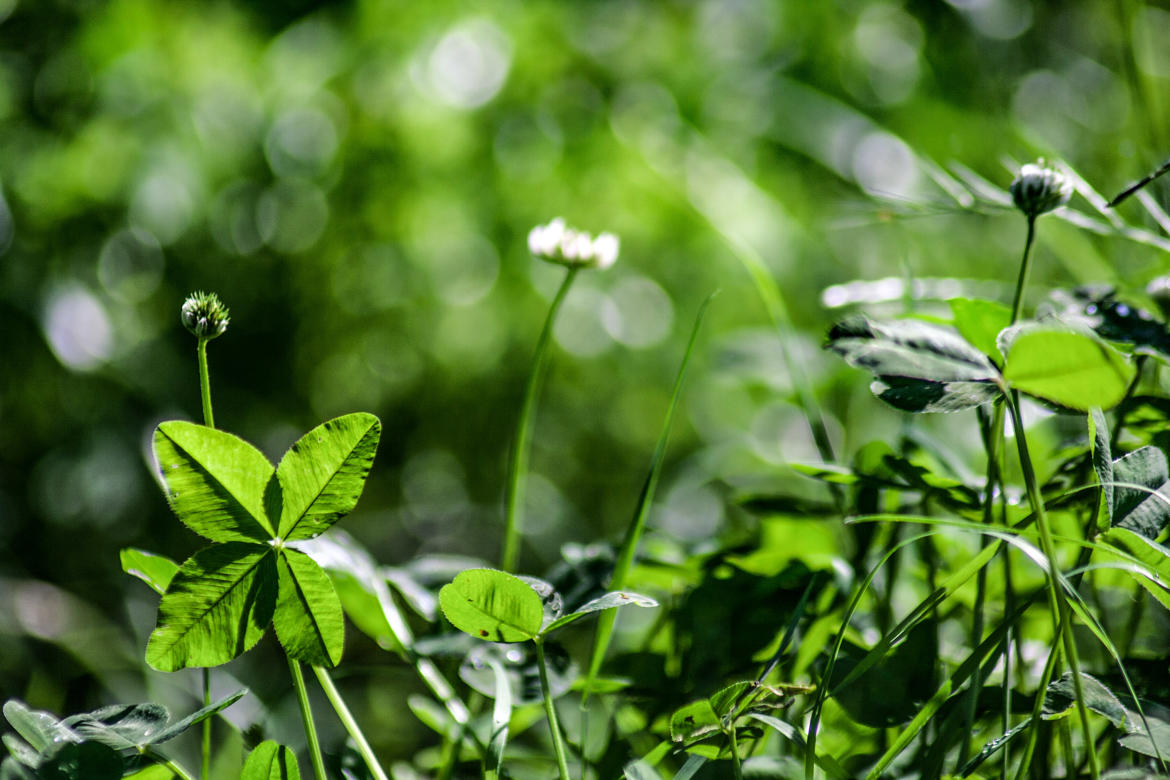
(557, 243)
(204, 315)
(1039, 189)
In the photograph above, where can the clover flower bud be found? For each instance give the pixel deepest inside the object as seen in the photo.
(557, 243)
(1039, 189)
(205, 315)
(1159, 291)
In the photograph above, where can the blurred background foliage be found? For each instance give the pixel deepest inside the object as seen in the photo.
(356, 180)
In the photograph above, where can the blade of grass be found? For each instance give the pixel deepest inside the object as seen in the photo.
(625, 559)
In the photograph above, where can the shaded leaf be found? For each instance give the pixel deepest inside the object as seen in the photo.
(492, 605)
(1141, 740)
(608, 601)
(891, 690)
(11, 769)
(217, 607)
(694, 721)
(1153, 555)
(308, 617)
(1143, 511)
(39, 729)
(1061, 695)
(271, 761)
(215, 481)
(81, 761)
(501, 715)
(124, 727)
(321, 477)
(20, 750)
(1069, 368)
(520, 665)
(920, 367)
(153, 569)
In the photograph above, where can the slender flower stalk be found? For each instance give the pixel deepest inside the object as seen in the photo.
(1037, 190)
(207, 318)
(574, 249)
(1058, 601)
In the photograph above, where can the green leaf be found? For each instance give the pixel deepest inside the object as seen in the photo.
(693, 721)
(217, 607)
(1102, 461)
(607, 601)
(321, 477)
(308, 618)
(980, 323)
(124, 727)
(270, 761)
(11, 769)
(82, 761)
(39, 729)
(1143, 511)
(200, 715)
(501, 716)
(1061, 695)
(1153, 555)
(492, 605)
(1068, 368)
(215, 481)
(920, 367)
(890, 692)
(155, 570)
(1142, 741)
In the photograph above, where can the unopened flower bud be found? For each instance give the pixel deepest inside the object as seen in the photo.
(205, 315)
(1039, 189)
(557, 243)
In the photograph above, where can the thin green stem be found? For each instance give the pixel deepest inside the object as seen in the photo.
(736, 764)
(307, 716)
(205, 755)
(209, 421)
(551, 711)
(1057, 601)
(174, 768)
(347, 720)
(205, 384)
(518, 463)
(1025, 266)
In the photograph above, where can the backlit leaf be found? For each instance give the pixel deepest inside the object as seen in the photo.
(155, 570)
(492, 605)
(217, 607)
(309, 621)
(1069, 368)
(979, 322)
(321, 477)
(271, 761)
(215, 481)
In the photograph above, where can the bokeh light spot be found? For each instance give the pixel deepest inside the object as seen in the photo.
(77, 328)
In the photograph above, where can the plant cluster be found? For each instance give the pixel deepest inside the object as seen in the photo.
(918, 642)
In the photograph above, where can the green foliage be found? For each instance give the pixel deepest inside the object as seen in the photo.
(271, 761)
(1067, 368)
(222, 599)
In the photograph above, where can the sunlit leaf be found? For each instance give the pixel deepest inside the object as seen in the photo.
(153, 569)
(1153, 555)
(1069, 368)
(321, 477)
(271, 761)
(215, 481)
(693, 721)
(492, 605)
(218, 606)
(980, 322)
(308, 618)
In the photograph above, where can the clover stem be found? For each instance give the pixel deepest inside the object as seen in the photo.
(307, 716)
(174, 768)
(736, 763)
(551, 711)
(518, 463)
(205, 753)
(1057, 599)
(348, 721)
(1025, 266)
(205, 384)
(209, 421)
